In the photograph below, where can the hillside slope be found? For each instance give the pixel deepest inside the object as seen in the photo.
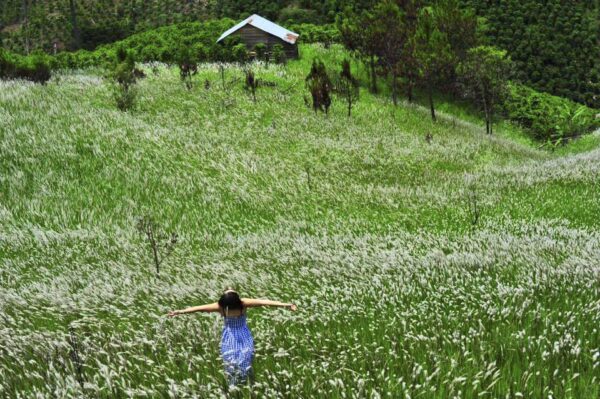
(372, 230)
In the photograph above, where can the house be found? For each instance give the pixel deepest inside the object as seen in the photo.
(256, 29)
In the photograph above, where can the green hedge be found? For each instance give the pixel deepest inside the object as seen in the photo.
(35, 67)
(549, 117)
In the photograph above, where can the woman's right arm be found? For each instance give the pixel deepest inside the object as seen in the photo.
(211, 307)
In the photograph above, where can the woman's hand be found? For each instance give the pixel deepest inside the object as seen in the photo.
(293, 307)
(172, 313)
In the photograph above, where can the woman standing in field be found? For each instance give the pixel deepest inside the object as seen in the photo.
(237, 345)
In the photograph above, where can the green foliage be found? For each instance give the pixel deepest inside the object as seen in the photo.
(49, 25)
(310, 33)
(548, 117)
(433, 53)
(555, 44)
(392, 32)
(293, 14)
(239, 53)
(188, 66)
(125, 76)
(165, 44)
(35, 67)
(361, 34)
(347, 86)
(484, 77)
(278, 54)
(262, 52)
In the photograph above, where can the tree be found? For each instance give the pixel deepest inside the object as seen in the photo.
(361, 34)
(319, 85)
(409, 66)
(74, 24)
(458, 24)
(432, 53)
(484, 75)
(125, 76)
(392, 33)
(460, 27)
(187, 66)
(347, 85)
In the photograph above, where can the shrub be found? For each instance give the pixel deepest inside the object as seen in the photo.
(547, 117)
(125, 76)
(35, 67)
(261, 51)
(239, 53)
(278, 54)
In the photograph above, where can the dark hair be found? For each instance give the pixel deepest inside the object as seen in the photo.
(230, 300)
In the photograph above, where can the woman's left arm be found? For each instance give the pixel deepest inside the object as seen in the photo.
(253, 303)
(211, 307)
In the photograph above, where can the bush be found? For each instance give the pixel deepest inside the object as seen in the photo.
(310, 33)
(261, 51)
(239, 53)
(547, 117)
(125, 76)
(35, 67)
(296, 15)
(278, 54)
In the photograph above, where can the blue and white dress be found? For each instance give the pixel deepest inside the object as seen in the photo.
(237, 349)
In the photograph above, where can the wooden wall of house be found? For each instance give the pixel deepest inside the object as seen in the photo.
(251, 36)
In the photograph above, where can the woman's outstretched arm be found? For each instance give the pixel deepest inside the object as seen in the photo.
(253, 303)
(211, 307)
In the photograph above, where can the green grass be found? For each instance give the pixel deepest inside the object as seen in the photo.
(399, 293)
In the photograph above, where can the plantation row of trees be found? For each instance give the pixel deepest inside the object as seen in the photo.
(554, 44)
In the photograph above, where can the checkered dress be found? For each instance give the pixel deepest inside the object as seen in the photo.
(237, 349)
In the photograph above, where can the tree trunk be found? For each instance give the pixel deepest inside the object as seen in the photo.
(410, 91)
(349, 105)
(395, 88)
(75, 26)
(373, 75)
(26, 24)
(430, 93)
(486, 112)
(491, 114)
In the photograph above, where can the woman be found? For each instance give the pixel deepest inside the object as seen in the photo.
(237, 345)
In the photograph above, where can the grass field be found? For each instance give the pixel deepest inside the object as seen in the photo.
(365, 225)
